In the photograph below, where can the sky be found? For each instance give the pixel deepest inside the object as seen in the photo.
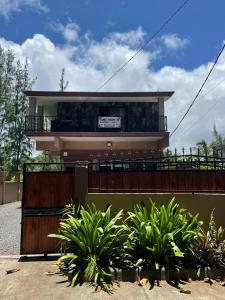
(91, 39)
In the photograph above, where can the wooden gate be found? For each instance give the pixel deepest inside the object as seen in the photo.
(45, 194)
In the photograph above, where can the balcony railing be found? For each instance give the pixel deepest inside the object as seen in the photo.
(53, 124)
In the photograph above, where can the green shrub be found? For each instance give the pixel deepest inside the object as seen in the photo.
(209, 248)
(92, 242)
(160, 235)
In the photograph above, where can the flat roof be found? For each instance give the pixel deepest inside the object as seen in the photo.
(163, 94)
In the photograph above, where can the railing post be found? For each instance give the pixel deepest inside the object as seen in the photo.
(175, 152)
(198, 158)
(191, 157)
(214, 157)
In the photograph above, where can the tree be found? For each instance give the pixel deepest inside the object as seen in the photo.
(62, 83)
(6, 80)
(204, 148)
(18, 145)
(218, 142)
(14, 79)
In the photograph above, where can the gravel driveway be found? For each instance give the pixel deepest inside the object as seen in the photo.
(10, 218)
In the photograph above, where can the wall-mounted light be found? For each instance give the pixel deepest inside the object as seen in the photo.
(109, 144)
(65, 154)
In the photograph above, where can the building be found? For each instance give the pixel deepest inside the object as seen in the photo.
(98, 125)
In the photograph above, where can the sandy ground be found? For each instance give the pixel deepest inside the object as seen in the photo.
(30, 282)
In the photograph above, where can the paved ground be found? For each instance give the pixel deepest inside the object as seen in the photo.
(10, 218)
(30, 282)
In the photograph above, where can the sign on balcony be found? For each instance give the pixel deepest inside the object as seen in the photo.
(109, 122)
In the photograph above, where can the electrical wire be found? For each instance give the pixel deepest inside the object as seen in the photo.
(142, 47)
(203, 116)
(199, 91)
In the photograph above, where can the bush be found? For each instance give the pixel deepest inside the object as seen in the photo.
(209, 248)
(160, 236)
(151, 237)
(92, 242)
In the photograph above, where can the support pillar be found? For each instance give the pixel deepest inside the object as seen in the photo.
(80, 185)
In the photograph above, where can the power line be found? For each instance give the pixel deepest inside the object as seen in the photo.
(199, 91)
(203, 116)
(142, 47)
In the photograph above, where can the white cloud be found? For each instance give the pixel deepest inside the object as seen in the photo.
(89, 63)
(173, 41)
(69, 31)
(8, 7)
(132, 38)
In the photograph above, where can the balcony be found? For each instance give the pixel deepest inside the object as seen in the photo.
(53, 124)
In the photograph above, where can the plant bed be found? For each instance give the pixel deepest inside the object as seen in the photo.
(130, 275)
(150, 274)
(186, 274)
(151, 244)
(125, 274)
(217, 272)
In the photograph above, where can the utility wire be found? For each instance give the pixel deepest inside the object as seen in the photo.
(203, 116)
(199, 91)
(142, 47)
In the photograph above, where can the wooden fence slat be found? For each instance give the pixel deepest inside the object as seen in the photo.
(158, 181)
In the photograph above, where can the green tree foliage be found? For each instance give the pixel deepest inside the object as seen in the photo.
(14, 79)
(203, 148)
(6, 81)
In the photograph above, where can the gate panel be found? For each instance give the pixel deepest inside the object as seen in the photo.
(35, 233)
(48, 189)
(45, 195)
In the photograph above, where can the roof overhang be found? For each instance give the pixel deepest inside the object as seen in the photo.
(52, 97)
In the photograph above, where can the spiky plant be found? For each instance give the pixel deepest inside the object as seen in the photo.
(92, 241)
(210, 246)
(161, 234)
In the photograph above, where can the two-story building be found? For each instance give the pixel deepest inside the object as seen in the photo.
(98, 125)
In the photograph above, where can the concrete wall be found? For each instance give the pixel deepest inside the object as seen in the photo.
(195, 203)
(10, 193)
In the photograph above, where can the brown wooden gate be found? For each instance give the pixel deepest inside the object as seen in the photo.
(45, 195)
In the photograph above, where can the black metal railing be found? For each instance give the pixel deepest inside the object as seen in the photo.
(193, 162)
(39, 123)
(172, 163)
(54, 124)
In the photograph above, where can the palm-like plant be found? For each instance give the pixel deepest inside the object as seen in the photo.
(92, 242)
(159, 236)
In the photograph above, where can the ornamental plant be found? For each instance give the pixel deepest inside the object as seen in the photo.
(160, 236)
(92, 242)
(210, 247)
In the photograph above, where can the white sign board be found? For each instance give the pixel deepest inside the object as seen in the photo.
(109, 122)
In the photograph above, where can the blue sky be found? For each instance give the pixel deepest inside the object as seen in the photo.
(202, 22)
(92, 38)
